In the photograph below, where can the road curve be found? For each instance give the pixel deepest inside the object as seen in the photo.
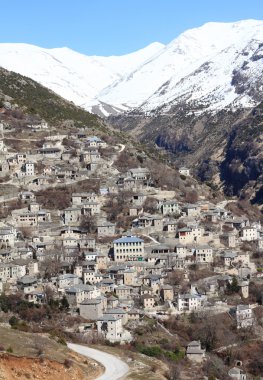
(115, 369)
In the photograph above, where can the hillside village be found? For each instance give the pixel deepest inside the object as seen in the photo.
(81, 226)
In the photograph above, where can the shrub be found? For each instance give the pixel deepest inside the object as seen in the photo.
(13, 321)
(157, 351)
(150, 351)
(68, 363)
(62, 341)
(10, 350)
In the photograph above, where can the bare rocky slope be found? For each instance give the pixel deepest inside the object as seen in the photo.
(222, 149)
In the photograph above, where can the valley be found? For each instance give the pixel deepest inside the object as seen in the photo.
(131, 193)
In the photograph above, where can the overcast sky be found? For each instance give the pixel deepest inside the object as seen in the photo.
(113, 27)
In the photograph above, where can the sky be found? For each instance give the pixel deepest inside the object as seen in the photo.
(113, 27)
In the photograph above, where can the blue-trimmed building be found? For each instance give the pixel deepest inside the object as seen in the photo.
(128, 248)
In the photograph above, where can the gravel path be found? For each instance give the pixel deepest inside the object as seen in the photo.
(115, 369)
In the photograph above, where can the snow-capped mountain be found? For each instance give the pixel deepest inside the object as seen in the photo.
(72, 75)
(211, 67)
(196, 68)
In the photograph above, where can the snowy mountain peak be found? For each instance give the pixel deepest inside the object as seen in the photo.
(210, 67)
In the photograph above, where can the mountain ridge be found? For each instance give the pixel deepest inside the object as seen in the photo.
(201, 67)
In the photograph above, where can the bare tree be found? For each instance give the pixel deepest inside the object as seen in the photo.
(88, 222)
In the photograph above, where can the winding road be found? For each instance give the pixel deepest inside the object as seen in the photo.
(115, 369)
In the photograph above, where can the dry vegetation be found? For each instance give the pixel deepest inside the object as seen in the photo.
(244, 207)
(126, 161)
(7, 207)
(60, 197)
(39, 357)
(117, 209)
(54, 198)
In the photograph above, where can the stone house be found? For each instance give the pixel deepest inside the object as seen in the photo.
(27, 284)
(112, 302)
(95, 141)
(68, 155)
(12, 163)
(237, 373)
(36, 297)
(140, 174)
(190, 302)
(40, 181)
(102, 261)
(50, 152)
(91, 277)
(106, 286)
(28, 218)
(87, 243)
(126, 183)
(194, 351)
(144, 289)
(184, 171)
(119, 313)
(260, 244)
(211, 217)
(4, 168)
(32, 268)
(90, 208)
(244, 287)
(70, 231)
(72, 215)
(7, 237)
(244, 316)
(27, 170)
(135, 210)
(152, 222)
(181, 250)
(92, 166)
(134, 315)
(21, 158)
(185, 235)
(67, 280)
(191, 210)
(91, 308)
(248, 234)
(64, 171)
(90, 155)
(170, 207)
(123, 291)
(203, 254)
(105, 229)
(5, 272)
(81, 198)
(228, 239)
(148, 301)
(231, 258)
(138, 199)
(129, 277)
(154, 281)
(167, 293)
(27, 196)
(110, 327)
(236, 223)
(6, 254)
(18, 269)
(77, 294)
(170, 226)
